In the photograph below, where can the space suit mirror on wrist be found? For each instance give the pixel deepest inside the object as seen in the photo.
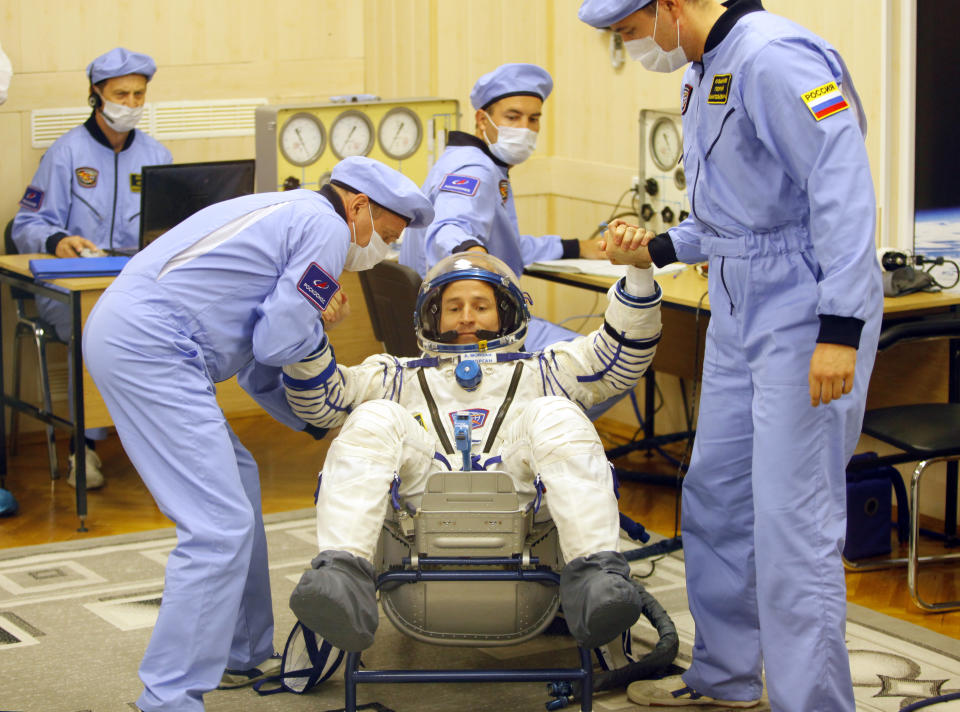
(510, 298)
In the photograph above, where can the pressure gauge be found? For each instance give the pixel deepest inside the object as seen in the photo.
(351, 134)
(400, 133)
(665, 144)
(324, 179)
(302, 139)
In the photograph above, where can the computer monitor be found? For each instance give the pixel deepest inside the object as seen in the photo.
(172, 193)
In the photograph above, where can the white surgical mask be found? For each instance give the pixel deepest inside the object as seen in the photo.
(652, 56)
(513, 145)
(119, 117)
(363, 258)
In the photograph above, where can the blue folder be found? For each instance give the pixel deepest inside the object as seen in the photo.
(77, 267)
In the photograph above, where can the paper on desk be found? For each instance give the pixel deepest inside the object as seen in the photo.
(601, 268)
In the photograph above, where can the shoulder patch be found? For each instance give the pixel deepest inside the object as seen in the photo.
(504, 191)
(32, 198)
(824, 101)
(87, 177)
(720, 89)
(685, 98)
(317, 286)
(465, 185)
(136, 182)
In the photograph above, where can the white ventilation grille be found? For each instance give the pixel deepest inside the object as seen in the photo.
(163, 120)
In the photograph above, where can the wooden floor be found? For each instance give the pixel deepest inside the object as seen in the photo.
(288, 464)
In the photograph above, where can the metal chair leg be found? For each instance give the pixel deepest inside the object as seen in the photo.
(914, 559)
(47, 402)
(14, 413)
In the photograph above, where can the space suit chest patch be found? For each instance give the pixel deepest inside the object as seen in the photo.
(87, 177)
(464, 185)
(478, 416)
(317, 286)
(720, 89)
(824, 101)
(32, 198)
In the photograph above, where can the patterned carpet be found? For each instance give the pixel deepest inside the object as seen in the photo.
(75, 619)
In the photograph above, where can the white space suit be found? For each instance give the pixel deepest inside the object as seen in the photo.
(397, 415)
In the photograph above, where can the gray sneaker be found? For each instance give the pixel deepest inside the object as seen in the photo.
(94, 473)
(241, 678)
(674, 692)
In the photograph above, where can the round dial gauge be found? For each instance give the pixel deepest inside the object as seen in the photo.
(400, 133)
(324, 179)
(665, 144)
(302, 139)
(351, 134)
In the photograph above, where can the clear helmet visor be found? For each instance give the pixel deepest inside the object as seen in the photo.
(511, 304)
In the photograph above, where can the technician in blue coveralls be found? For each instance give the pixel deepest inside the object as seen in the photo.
(86, 192)
(470, 187)
(241, 287)
(783, 208)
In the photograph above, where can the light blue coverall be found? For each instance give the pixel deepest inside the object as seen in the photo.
(473, 205)
(238, 287)
(783, 208)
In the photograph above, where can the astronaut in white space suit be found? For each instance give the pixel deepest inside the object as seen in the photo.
(527, 411)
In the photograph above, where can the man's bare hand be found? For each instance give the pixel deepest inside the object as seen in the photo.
(71, 245)
(337, 310)
(831, 372)
(625, 244)
(592, 249)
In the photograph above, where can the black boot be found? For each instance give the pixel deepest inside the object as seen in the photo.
(337, 599)
(599, 600)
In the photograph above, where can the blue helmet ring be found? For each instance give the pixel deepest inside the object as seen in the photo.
(511, 303)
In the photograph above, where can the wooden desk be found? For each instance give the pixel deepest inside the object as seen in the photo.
(353, 343)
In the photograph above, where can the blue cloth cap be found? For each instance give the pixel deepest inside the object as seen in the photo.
(119, 62)
(386, 187)
(511, 80)
(603, 13)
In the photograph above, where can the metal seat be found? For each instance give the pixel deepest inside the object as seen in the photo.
(926, 433)
(42, 333)
(469, 544)
(390, 290)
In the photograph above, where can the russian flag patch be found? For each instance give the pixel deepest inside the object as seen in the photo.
(824, 101)
(465, 185)
(317, 286)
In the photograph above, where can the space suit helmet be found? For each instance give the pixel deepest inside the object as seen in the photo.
(511, 304)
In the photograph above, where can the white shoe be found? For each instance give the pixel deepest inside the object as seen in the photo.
(673, 692)
(94, 473)
(240, 678)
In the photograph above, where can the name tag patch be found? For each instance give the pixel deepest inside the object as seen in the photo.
(32, 199)
(478, 416)
(824, 101)
(317, 286)
(136, 182)
(87, 177)
(720, 89)
(464, 185)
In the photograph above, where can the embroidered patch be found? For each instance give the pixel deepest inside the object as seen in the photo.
(419, 418)
(478, 416)
(465, 185)
(720, 89)
(87, 177)
(504, 191)
(824, 101)
(136, 182)
(685, 98)
(32, 199)
(317, 286)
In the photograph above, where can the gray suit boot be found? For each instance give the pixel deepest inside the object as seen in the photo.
(337, 600)
(599, 599)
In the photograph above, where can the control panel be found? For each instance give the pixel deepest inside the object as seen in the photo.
(663, 184)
